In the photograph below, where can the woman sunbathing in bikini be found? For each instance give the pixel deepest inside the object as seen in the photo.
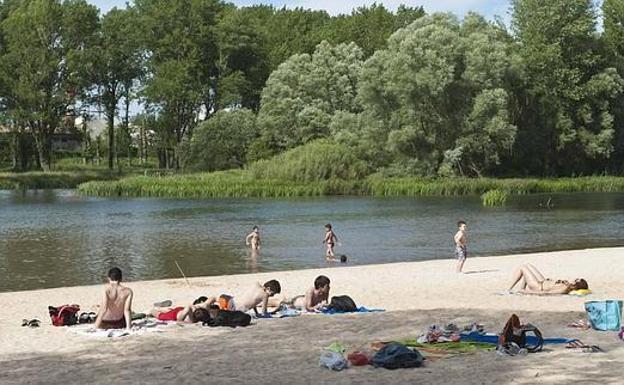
(533, 282)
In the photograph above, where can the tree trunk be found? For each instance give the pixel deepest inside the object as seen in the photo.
(127, 122)
(43, 144)
(111, 140)
(15, 152)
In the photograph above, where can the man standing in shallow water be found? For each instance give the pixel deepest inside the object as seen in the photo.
(461, 252)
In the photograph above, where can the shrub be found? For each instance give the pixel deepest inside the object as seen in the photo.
(316, 161)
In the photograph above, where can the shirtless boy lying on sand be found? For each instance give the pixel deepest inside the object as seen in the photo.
(116, 305)
(533, 282)
(258, 295)
(316, 297)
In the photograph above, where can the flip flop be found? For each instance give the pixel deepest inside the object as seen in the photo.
(84, 318)
(33, 323)
(165, 303)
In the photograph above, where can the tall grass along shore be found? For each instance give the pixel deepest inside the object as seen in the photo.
(49, 180)
(242, 183)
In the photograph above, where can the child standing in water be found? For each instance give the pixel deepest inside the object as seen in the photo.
(330, 240)
(461, 252)
(253, 239)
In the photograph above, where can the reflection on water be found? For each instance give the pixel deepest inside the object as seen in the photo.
(57, 238)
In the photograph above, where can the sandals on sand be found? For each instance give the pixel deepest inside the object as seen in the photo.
(165, 303)
(584, 348)
(87, 318)
(32, 323)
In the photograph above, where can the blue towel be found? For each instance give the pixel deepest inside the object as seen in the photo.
(493, 339)
(360, 309)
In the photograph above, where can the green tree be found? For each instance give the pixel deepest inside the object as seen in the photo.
(302, 95)
(181, 44)
(243, 62)
(568, 119)
(44, 64)
(435, 96)
(117, 63)
(613, 37)
(221, 142)
(370, 26)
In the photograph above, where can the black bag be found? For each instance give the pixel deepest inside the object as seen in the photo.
(396, 356)
(342, 303)
(515, 332)
(230, 318)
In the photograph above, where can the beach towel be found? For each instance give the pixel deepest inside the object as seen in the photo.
(360, 309)
(282, 313)
(142, 327)
(447, 349)
(492, 338)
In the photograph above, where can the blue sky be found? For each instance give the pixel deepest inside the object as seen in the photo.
(488, 8)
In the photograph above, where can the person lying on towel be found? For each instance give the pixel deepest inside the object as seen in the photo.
(200, 311)
(531, 281)
(315, 297)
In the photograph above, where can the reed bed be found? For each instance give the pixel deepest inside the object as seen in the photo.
(495, 198)
(221, 184)
(242, 183)
(48, 180)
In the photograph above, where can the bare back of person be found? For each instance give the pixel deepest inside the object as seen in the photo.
(116, 297)
(251, 298)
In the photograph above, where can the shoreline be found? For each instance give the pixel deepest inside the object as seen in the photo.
(418, 280)
(321, 270)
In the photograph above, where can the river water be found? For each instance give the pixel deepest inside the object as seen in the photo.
(52, 238)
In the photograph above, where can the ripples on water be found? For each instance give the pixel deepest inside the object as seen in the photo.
(57, 238)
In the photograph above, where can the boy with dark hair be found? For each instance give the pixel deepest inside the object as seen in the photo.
(253, 239)
(461, 251)
(257, 296)
(116, 308)
(330, 240)
(316, 297)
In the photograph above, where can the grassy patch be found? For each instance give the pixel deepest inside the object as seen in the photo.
(241, 183)
(495, 198)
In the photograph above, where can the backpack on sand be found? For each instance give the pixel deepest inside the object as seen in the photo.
(515, 333)
(64, 315)
(396, 356)
(230, 318)
(342, 303)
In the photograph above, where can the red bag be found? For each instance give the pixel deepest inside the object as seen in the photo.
(64, 315)
(358, 359)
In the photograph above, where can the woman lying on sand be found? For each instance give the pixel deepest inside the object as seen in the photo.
(533, 282)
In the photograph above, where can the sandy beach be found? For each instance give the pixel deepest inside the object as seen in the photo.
(278, 351)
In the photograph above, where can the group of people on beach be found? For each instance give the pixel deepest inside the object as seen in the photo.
(116, 307)
(115, 310)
